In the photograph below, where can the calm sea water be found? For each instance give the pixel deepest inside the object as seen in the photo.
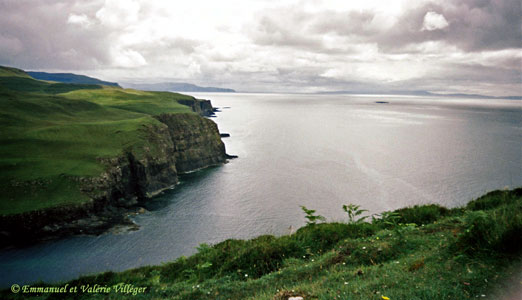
(321, 151)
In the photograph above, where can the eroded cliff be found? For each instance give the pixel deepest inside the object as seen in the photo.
(176, 144)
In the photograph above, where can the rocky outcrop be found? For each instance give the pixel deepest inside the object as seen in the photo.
(202, 107)
(196, 141)
(178, 143)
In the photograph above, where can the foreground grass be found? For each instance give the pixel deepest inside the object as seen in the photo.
(52, 132)
(423, 252)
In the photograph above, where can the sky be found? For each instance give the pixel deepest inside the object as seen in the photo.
(447, 46)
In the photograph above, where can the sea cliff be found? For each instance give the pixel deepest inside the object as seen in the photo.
(80, 158)
(179, 143)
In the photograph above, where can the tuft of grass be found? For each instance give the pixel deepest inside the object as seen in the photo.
(421, 214)
(495, 199)
(12, 72)
(495, 231)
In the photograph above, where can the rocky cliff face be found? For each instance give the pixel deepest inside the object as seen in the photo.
(178, 143)
(197, 143)
(202, 107)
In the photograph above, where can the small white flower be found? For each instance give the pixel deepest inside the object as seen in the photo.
(345, 282)
(364, 248)
(246, 275)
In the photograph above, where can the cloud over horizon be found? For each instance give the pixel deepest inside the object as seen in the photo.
(469, 46)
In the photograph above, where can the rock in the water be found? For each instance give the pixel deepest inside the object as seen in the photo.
(224, 135)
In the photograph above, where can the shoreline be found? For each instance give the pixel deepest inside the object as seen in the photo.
(429, 220)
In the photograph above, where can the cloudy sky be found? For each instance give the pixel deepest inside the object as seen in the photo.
(469, 46)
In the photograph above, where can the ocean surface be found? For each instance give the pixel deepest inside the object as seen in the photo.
(321, 151)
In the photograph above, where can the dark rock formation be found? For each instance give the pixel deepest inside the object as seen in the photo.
(196, 141)
(202, 107)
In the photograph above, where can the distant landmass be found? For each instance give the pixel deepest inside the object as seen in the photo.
(176, 86)
(70, 78)
(422, 93)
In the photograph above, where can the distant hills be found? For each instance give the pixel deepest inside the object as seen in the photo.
(163, 86)
(176, 86)
(422, 93)
(70, 78)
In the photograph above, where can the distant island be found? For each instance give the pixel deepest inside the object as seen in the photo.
(70, 78)
(175, 87)
(421, 93)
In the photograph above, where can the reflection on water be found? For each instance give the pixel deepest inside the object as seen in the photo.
(321, 151)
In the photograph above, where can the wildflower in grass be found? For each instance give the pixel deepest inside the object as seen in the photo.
(385, 298)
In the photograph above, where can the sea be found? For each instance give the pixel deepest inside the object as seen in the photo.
(381, 152)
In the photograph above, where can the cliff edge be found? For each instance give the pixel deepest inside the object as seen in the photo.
(177, 144)
(79, 158)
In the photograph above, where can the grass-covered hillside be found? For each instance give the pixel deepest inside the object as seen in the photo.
(70, 78)
(424, 252)
(52, 132)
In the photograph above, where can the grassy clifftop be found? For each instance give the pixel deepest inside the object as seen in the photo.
(423, 252)
(55, 132)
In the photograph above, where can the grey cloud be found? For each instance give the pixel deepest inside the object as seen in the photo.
(474, 25)
(344, 23)
(304, 31)
(45, 38)
(270, 31)
(285, 48)
(485, 25)
(37, 35)
(156, 50)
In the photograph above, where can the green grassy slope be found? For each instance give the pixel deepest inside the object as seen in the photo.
(69, 78)
(52, 131)
(423, 252)
(12, 72)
